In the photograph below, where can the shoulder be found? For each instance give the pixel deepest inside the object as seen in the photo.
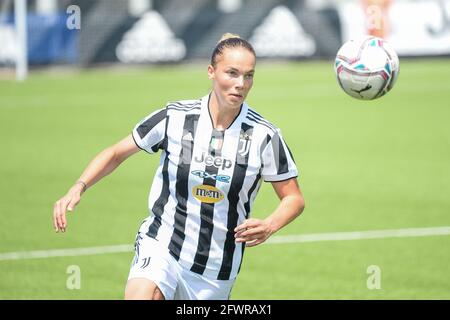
(256, 120)
(184, 106)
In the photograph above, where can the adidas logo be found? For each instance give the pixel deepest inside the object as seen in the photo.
(150, 40)
(281, 35)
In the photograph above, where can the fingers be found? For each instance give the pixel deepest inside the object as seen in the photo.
(63, 210)
(60, 208)
(253, 243)
(249, 223)
(252, 232)
(56, 216)
(248, 238)
(55, 224)
(249, 227)
(59, 213)
(258, 234)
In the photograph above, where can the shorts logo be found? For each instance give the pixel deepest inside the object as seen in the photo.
(145, 263)
(207, 194)
(217, 177)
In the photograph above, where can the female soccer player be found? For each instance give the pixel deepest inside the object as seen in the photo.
(215, 152)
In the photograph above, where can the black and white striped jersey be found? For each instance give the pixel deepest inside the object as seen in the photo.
(207, 181)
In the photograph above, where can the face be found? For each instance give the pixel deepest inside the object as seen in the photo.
(232, 77)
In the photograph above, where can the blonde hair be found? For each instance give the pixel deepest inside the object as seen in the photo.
(228, 41)
(228, 35)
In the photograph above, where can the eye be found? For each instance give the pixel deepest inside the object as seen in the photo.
(232, 73)
(249, 76)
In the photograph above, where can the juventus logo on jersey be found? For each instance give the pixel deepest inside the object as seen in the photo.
(244, 144)
(145, 263)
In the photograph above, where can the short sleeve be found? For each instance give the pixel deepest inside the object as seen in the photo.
(277, 161)
(150, 133)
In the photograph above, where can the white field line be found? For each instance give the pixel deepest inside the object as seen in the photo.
(314, 237)
(20, 255)
(359, 235)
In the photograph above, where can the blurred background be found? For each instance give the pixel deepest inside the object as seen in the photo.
(76, 76)
(85, 33)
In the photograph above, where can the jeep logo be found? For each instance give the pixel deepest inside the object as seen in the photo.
(214, 161)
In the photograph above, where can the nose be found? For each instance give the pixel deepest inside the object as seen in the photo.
(239, 82)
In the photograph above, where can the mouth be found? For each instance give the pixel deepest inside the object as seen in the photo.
(238, 96)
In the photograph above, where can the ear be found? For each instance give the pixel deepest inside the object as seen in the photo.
(211, 72)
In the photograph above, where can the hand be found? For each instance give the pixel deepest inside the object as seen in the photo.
(253, 232)
(66, 203)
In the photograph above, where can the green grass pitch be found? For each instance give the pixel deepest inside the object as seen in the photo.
(365, 165)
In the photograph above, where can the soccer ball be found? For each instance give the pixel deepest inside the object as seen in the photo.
(366, 68)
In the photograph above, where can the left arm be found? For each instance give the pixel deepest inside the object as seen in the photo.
(256, 231)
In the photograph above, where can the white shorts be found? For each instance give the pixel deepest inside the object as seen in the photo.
(154, 262)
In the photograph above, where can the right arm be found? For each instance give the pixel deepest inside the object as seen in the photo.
(103, 164)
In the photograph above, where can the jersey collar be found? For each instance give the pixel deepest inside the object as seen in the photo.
(236, 124)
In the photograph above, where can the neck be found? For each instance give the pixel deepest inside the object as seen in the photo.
(222, 116)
